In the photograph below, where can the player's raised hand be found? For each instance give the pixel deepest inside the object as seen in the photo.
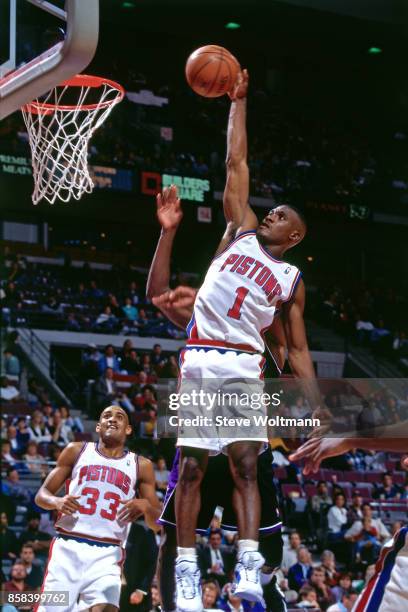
(132, 509)
(169, 211)
(240, 88)
(68, 504)
(317, 449)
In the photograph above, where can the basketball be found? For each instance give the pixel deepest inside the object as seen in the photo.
(211, 71)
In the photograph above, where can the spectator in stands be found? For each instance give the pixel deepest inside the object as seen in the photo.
(124, 353)
(289, 556)
(155, 597)
(329, 566)
(61, 433)
(74, 423)
(343, 586)
(355, 511)
(157, 358)
(8, 539)
(337, 518)
(214, 563)
(161, 475)
(36, 393)
(72, 324)
(17, 582)
(130, 311)
(356, 460)
(324, 593)
(395, 527)
(115, 307)
(131, 363)
(8, 392)
(388, 490)
(8, 459)
(33, 460)
(210, 593)
(346, 604)
(12, 366)
(322, 499)
(105, 389)
(12, 437)
(12, 488)
(23, 435)
(109, 360)
(146, 364)
(106, 321)
(39, 540)
(37, 429)
(308, 598)
(300, 572)
(367, 535)
(34, 573)
(170, 368)
(364, 328)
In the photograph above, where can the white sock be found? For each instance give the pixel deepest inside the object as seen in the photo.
(247, 546)
(186, 554)
(266, 578)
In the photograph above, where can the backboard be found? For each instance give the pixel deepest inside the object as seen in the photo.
(20, 80)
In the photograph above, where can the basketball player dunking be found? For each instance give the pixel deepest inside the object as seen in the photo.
(245, 286)
(94, 517)
(387, 589)
(177, 305)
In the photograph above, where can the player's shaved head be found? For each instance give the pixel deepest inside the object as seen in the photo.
(115, 409)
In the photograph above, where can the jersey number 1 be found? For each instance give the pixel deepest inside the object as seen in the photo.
(235, 311)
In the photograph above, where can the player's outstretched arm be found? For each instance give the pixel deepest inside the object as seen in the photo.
(148, 503)
(238, 214)
(169, 214)
(47, 494)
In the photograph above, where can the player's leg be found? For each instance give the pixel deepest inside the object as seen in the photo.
(165, 568)
(103, 608)
(101, 586)
(243, 461)
(62, 574)
(193, 464)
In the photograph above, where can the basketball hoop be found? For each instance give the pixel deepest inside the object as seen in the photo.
(59, 126)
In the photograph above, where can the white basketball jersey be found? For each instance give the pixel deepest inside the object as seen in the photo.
(102, 482)
(241, 294)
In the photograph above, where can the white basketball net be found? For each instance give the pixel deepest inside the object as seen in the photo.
(59, 134)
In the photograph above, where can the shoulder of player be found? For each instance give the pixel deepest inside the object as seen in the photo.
(146, 468)
(71, 452)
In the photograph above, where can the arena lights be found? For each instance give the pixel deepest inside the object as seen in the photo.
(232, 25)
(128, 5)
(375, 50)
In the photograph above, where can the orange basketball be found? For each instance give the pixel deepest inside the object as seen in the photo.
(211, 71)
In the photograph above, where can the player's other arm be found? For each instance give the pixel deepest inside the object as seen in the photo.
(238, 214)
(47, 494)
(169, 215)
(148, 503)
(299, 357)
(147, 488)
(276, 342)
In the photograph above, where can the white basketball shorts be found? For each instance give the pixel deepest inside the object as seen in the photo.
(90, 573)
(226, 389)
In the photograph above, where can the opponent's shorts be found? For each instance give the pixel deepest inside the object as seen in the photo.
(90, 572)
(231, 383)
(387, 590)
(217, 488)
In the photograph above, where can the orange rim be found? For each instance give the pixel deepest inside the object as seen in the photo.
(80, 80)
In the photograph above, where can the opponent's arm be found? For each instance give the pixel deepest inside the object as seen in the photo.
(47, 494)
(177, 304)
(317, 449)
(238, 214)
(169, 214)
(148, 503)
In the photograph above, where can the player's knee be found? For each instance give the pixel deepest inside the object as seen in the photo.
(191, 473)
(245, 469)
